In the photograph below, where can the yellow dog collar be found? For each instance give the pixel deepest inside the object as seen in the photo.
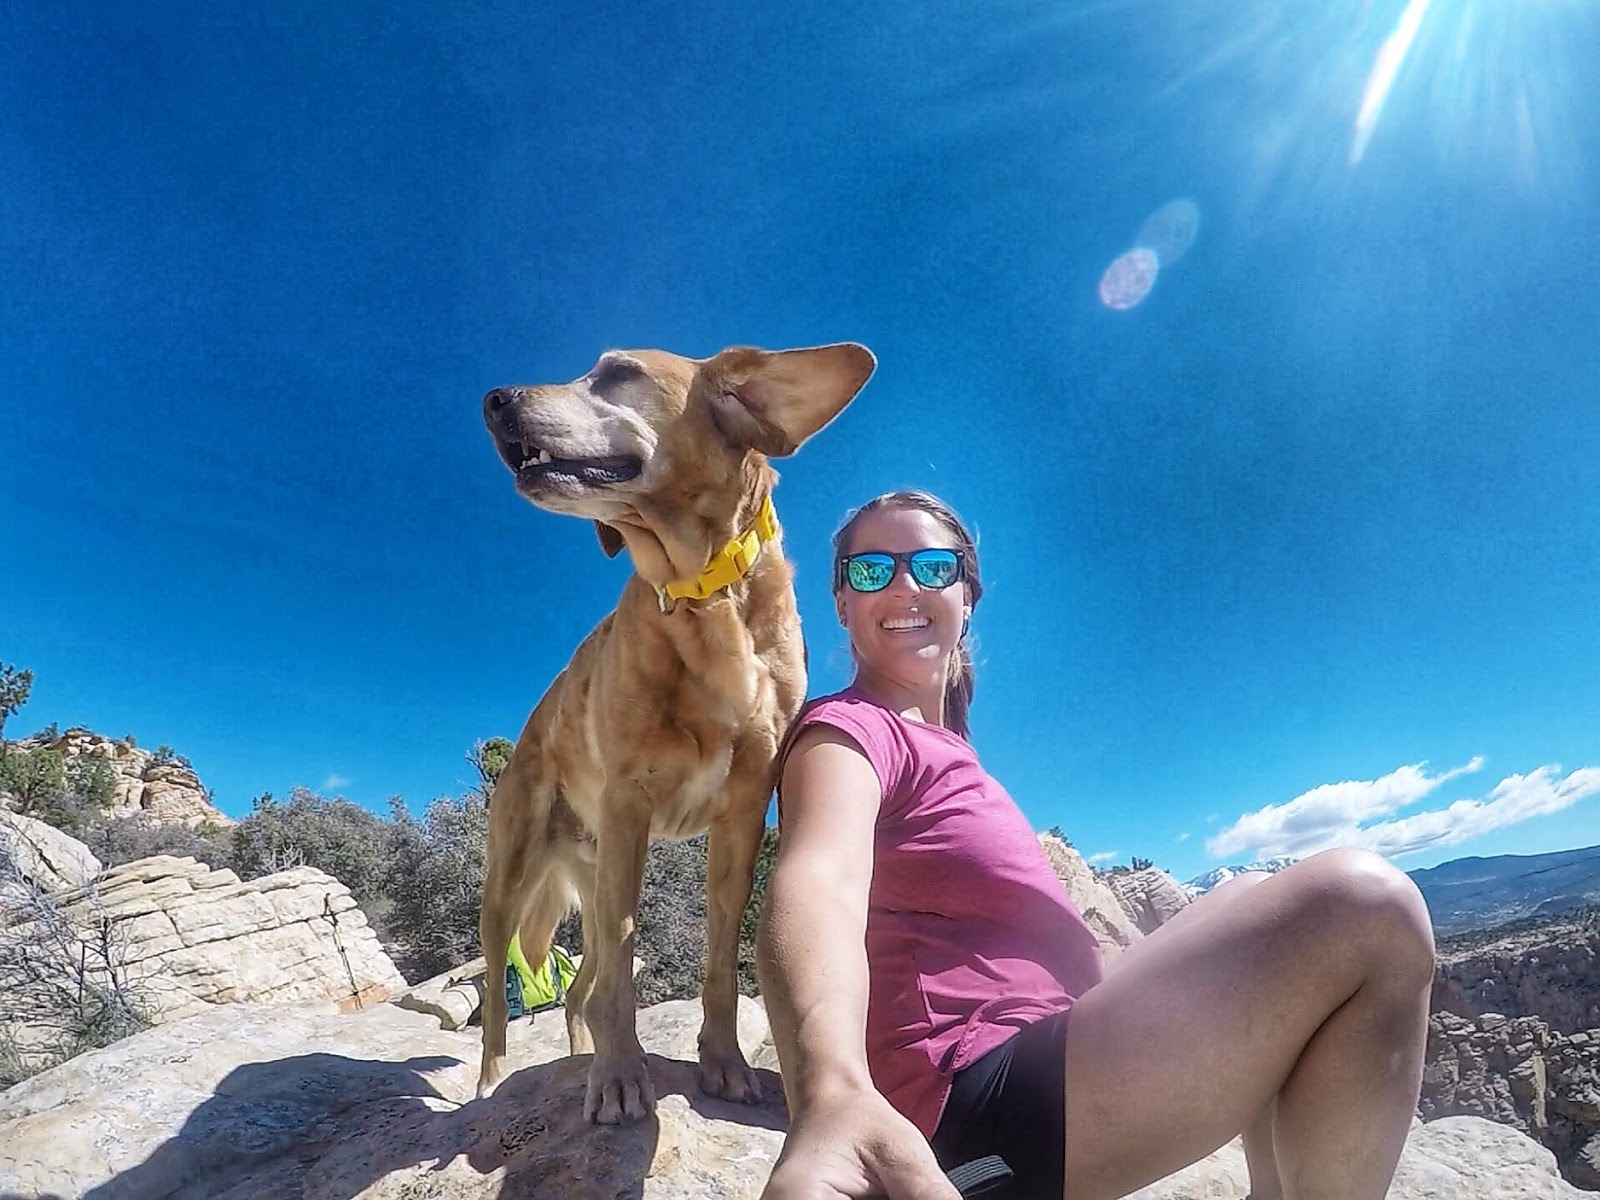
(729, 565)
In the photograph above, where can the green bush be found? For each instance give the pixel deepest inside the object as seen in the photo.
(37, 778)
(118, 840)
(336, 836)
(434, 885)
(671, 929)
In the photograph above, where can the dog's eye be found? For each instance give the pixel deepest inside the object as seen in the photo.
(615, 370)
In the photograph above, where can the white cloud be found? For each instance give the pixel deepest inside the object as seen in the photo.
(1361, 813)
(1313, 820)
(334, 782)
(1103, 856)
(1182, 837)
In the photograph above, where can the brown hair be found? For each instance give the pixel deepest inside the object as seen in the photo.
(958, 691)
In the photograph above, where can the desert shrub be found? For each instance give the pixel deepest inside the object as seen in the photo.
(345, 840)
(92, 783)
(434, 885)
(117, 840)
(167, 756)
(64, 987)
(671, 928)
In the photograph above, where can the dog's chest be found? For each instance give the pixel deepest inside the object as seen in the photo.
(686, 809)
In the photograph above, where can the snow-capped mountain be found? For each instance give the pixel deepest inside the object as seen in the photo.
(1204, 883)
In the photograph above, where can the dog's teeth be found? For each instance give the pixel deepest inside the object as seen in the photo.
(543, 457)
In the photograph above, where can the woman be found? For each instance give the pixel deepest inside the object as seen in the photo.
(934, 996)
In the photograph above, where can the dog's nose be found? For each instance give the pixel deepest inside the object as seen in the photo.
(498, 399)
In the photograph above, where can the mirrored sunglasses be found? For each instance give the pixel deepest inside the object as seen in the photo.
(874, 570)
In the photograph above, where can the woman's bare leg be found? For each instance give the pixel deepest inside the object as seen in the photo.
(1259, 1155)
(1314, 993)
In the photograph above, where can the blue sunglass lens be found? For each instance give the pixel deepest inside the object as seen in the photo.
(935, 568)
(869, 572)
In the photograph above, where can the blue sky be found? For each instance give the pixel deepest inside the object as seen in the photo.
(1302, 548)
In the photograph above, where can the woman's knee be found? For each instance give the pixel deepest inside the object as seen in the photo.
(1375, 907)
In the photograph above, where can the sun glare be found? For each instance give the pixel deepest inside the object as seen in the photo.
(1492, 90)
(1391, 57)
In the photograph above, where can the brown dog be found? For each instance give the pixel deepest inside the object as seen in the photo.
(668, 719)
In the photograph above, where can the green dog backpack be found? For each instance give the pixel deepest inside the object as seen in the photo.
(531, 989)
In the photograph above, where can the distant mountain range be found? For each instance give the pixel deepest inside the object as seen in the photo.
(1478, 893)
(1204, 883)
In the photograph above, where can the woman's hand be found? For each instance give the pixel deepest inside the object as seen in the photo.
(857, 1147)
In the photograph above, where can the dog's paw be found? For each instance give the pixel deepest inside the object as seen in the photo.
(619, 1090)
(725, 1073)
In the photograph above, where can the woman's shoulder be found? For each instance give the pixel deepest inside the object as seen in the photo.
(879, 732)
(844, 700)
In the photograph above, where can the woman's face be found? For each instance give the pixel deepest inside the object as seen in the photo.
(906, 631)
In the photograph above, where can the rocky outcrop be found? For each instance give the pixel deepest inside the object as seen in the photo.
(1149, 897)
(163, 788)
(188, 937)
(1521, 1073)
(1098, 904)
(265, 1102)
(1550, 970)
(43, 856)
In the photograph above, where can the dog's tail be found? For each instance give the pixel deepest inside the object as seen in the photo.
(527, 889)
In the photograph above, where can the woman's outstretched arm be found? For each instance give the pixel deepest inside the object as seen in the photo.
(844, 1137)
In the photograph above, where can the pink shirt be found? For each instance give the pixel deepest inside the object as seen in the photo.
(970, 935)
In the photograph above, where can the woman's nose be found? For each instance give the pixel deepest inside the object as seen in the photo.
(902, 582)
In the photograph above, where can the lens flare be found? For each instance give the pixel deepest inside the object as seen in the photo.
(1129, 279)
(1170, 230)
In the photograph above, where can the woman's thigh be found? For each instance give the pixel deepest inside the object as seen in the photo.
(1190, 1035)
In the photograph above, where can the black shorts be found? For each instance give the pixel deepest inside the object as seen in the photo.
(1013, 1102)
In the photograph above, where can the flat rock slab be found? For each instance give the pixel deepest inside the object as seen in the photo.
(269, 1101)
(256, 1102)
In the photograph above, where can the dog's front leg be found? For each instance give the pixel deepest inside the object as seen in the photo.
(734, 843)
(619, 1087)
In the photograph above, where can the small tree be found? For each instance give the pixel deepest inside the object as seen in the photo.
(15, 685)
(37, 778)
(489, 759)
(167, 756)
(1141, 864)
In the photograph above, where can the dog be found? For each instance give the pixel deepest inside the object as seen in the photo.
(668, 718)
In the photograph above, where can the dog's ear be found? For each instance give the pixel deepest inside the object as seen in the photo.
(772, 401)
(610, 539)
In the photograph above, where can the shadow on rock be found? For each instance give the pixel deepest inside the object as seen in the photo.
(329, 1127)
(268, 1125)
